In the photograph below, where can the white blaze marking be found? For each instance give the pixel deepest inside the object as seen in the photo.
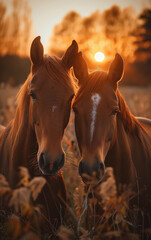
(96, 98)
(53, 108)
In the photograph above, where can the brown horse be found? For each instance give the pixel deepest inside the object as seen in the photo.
(33, 138)
(107, 133)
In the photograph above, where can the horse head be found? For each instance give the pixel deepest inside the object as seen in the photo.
(51, 91)
(96, 107)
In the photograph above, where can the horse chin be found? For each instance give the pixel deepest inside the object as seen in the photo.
(98, 180)
(85, 180)
(49, 173)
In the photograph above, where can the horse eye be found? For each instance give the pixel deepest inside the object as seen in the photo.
(115, 111)
(33, 94)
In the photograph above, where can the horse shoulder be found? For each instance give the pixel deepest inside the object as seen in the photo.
(146, 123)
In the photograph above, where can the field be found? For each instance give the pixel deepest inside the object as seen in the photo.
(76, 220)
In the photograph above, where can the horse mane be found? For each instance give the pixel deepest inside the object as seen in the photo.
(131, 124)
(22, 100)
(58, 72)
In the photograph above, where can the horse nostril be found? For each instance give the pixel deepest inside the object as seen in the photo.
(43, 160)
(62, 160)
(58, 164)
(102, 170)
(83, 170)
(80, 169)
(102, 166)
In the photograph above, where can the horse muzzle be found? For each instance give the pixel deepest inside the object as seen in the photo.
(88, 172)
(46, 166)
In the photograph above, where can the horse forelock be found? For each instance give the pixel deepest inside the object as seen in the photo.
(93, 83)
(57, 72)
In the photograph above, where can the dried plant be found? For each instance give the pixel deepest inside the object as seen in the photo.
(66, 234)
(19, 214)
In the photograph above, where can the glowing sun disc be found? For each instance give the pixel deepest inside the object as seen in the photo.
(99, 56)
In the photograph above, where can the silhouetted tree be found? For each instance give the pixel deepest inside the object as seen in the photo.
(15, 38)
(3, 27)
(27, 27)
(15, 29)
(144, 34)
(15, 23)
(118, 25)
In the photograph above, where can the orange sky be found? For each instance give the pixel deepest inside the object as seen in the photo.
(47, 13)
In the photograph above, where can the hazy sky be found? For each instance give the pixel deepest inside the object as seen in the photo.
(47, 13)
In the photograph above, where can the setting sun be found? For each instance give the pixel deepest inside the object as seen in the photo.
(99, 56)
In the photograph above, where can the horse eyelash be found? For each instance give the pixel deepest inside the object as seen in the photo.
(33, 94)
(115, 111)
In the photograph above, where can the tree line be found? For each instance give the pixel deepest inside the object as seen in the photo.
(15, 28)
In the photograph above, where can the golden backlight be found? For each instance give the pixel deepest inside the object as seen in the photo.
(99, 56)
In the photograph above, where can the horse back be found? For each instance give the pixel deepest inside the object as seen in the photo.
(146, 123)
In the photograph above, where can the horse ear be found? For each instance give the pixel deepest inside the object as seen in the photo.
(70, 54)
(116, 70)
(36, 51)
(80, 68)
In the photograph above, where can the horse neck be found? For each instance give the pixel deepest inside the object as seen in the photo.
(119, 155)
(128, 152)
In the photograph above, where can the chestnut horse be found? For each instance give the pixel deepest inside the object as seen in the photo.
(107, 133)
(33, 138)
